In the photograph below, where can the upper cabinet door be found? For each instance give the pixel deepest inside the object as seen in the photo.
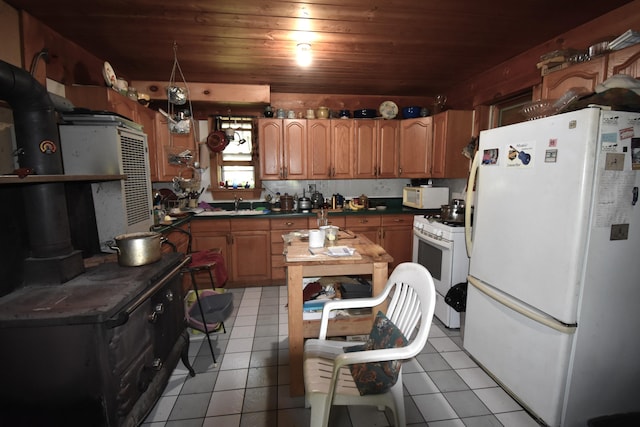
(584, 75)
(451, 133)
(319, 148)
(365, 148)
(625, 61)
(416, 140)
(270, 148)
(387, 150)
(342, 151)
(295, 148)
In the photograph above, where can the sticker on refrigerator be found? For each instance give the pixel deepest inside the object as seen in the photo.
(490, 156)
(609, 141)
(520, 155)
(635, 154)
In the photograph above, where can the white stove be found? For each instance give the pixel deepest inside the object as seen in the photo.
(441, 248)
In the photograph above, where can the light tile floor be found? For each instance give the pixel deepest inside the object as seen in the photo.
(249, 387)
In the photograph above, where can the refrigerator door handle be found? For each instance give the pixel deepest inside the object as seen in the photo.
(469, 201)
(537, 317)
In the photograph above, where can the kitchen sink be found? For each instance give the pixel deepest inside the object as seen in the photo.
(240, 212)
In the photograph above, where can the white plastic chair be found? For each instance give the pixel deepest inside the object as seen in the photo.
(327, 377)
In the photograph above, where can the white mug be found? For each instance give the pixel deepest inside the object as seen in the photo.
(316, 238)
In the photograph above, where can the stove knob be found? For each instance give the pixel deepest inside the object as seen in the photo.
(157, 311)
(439, 234)
(159, 308)
(156, 364)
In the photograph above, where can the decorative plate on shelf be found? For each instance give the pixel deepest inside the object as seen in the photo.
(388, 109)
(109, 75)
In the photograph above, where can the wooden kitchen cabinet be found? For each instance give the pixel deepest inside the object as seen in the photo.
(376, 148)
(387, 148)
(342, 151)
(211, 234)
(319, 147)
(282, 148)
(415, 148)
(393, 232)
(583, 75)
(367, 225)
(624, 61)
(243, 242)
(397, 237)
(169, 143)
(278, 227)
(451, 133)
(336, 220)
(250, 251)
(365, 148)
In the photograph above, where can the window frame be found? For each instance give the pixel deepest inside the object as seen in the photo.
(216, 163)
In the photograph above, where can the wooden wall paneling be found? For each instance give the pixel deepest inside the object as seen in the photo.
(68, 64)
(10, 49)
(520, 73)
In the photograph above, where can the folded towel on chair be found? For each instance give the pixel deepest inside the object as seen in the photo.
(220, 269)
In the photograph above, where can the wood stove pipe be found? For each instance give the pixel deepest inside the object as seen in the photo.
(38, 144)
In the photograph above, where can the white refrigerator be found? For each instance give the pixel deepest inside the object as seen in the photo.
(553, 305)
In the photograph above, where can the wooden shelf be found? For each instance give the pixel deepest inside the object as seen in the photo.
(38, 179)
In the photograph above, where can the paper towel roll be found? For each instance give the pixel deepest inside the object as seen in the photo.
(205, 156)
(316, 238)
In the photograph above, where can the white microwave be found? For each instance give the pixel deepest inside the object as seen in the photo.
(425, 197)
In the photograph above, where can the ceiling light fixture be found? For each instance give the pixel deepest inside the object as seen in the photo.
(304, 54)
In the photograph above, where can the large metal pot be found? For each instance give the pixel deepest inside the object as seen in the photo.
(453, 212)
(135, 249)
(304, 204)
(286, 203)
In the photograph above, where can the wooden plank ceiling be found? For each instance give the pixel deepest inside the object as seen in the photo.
(368, 47)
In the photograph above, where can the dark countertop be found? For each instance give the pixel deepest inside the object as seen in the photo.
(394, 207)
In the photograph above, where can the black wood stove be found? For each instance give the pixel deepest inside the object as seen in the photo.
(97, 350)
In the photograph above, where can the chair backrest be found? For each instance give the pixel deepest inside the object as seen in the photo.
(413, 301)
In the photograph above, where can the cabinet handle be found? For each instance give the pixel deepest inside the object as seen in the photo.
(399, 171)
(289, 224)
(364, 221)
(286, 173)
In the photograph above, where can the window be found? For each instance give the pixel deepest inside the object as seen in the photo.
(509, 111)
(234, 170)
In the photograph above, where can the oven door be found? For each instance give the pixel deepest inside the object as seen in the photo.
(436, 256)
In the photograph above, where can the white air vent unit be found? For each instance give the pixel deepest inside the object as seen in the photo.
(121, 206)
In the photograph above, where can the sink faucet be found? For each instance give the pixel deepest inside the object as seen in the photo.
(236, 202)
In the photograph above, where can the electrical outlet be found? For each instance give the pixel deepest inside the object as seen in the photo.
(312, 188)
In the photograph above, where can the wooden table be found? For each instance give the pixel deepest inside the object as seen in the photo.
(370, 259)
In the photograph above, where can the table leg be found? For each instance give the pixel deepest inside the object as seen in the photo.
(296, 329)
(379, 281)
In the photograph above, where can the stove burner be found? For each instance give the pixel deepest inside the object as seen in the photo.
(438, 218)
